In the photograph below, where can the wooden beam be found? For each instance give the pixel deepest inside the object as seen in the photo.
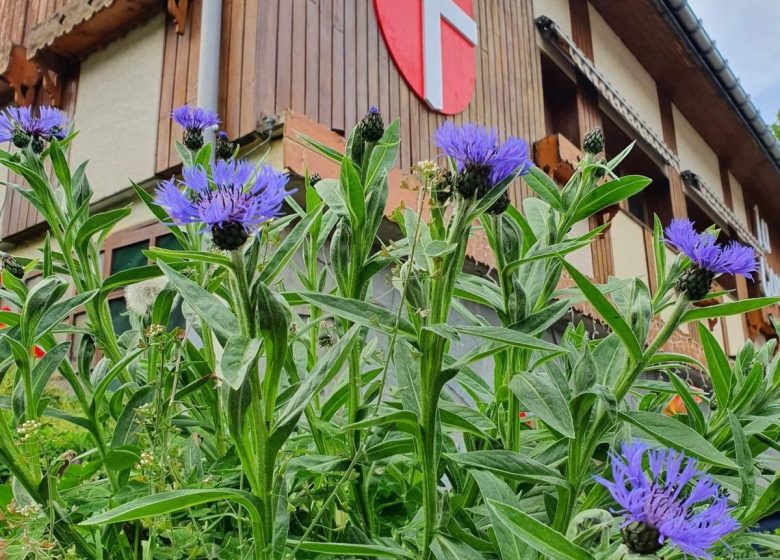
(679, 205)
(725, 183)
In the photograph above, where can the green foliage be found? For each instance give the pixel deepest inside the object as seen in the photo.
(299, 415)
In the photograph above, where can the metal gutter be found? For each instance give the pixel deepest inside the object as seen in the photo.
(208, 59)
(690, 28)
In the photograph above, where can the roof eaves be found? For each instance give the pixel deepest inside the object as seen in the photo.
(689, 27)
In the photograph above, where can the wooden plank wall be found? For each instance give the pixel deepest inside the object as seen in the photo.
(327, 59)
(241, 21)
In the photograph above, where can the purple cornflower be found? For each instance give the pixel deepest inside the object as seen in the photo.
(20, 126)
(194, 121)
(237, 198)
(677, 502)
(705, 253)
(709, 258)
(482, 162)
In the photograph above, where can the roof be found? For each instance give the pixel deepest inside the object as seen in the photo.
(690, 27)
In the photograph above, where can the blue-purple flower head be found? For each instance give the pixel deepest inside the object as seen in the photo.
(482, 161)
(25, 127)
(708, 255)
(194, 120)
(231, 201)
(674, 503)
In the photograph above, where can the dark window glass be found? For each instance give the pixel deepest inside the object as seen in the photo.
(119, 317)
(129, 256)
(168, 241)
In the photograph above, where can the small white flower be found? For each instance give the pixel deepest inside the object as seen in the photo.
(141, 296)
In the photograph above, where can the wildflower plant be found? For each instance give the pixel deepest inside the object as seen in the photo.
(298, 414)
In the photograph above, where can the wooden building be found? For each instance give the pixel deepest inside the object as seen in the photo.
(545, 70)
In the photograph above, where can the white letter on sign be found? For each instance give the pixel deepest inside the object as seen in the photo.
(433, 12)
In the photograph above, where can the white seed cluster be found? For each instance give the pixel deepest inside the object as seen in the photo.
(147, 460)
(27, 429)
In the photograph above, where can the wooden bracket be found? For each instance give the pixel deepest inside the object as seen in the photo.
(22, 76)
(178, 10)
(26, 79)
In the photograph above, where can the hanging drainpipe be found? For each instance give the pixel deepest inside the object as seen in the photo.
(208, 58)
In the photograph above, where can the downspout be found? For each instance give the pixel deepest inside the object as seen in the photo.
(208, 58)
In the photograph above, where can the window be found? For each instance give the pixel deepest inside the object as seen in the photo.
(654, 199)
(560, 102)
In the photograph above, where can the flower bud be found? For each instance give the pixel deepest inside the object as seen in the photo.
(372, 127)
(593, 142)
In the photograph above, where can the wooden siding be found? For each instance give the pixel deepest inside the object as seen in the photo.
(327, 59)
(241, 22)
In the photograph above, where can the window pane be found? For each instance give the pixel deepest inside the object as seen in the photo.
(168, 241)
(129, 256)
(119, 317)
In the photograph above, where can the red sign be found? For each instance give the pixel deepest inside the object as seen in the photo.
(432, 44)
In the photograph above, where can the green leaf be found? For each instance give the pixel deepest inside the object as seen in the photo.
(545, 187)
(122, 457)
(166, 502)
(46, 366)
(610, 193)
(361, 312)
(444, 548)
(407, 371)
(352, 192)
(326, 151)
(99, 223)
(510, 337)
(536, 534)
(768, 502)
(385, 152)
(672, 433)
(745, 461)
(694, 412)
(170, 256)
(717, 366)
(510, 465)
(510, 547)
(730, 308)
(350, 549)
(540, 395)
(239, 355)
(607, 311)
(288, 247)
(210, 308)
(130, 276)
(324, 371)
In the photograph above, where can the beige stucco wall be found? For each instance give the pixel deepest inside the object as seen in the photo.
(735, 328)
(556, 10)
(695, 154)
(117, 108)
(738, 199)
(625, 72)
(628, 247)
(581, 258)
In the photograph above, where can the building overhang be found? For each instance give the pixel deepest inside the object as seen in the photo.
(83, 27)
(651, 32)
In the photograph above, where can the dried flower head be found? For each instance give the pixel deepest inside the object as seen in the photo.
(141, 296)
(709, 258)
(234, 199)
(194, 121)
(677, 503)
(481, 161)
(22, 127)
